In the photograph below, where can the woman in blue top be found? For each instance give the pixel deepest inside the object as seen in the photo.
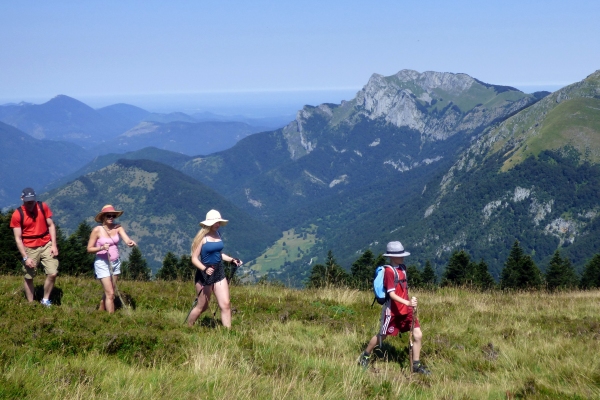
(210, 275)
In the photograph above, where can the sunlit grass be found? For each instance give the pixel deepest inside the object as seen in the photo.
(296, 344)
(290, 247)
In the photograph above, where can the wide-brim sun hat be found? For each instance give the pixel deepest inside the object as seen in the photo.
(107, 209)
(212, 217)
(395, 249)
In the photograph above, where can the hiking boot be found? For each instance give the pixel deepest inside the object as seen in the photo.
(419, 368)
(363, 360)
(46, 302)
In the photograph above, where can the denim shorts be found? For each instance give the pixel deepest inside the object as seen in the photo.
(101, 267)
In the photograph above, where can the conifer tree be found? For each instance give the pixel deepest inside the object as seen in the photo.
(428, 275)
(73, 255)
(560, 273)
(570, 276)
(591, 274)
(328, 274)
(185, 268)
(460, 270)
(414, 278)
(520, 272)
(362, 271)
(168, 271)
(10, 258)
(482, 277)
(136, 267)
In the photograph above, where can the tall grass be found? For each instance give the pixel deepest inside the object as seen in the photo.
(295, 344)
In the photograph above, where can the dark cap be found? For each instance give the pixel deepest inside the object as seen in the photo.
(28, 194)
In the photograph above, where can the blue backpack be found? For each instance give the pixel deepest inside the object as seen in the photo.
(381, 295)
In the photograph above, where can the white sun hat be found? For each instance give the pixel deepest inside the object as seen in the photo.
(212, 217)
(395, 249)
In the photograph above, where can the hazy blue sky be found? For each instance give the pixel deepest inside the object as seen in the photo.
(315, 51)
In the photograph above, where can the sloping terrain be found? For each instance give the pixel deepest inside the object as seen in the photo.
(191, 138)
(163, 208)
(26, 161)
(395, 124)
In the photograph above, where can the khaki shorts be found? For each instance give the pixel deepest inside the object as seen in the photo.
(41, 255)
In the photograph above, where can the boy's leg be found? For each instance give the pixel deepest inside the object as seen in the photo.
(364, 358)
(373, 342)
(417, 343)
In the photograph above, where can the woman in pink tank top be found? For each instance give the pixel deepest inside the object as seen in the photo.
(104, 241)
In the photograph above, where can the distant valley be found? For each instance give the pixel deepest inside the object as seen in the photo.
(440, 161)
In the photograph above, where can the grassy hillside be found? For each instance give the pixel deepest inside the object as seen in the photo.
(574, 122)
(290, 247)
(163, 208)
(295, 344)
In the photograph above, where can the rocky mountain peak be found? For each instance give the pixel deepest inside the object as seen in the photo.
(430, 80)
(436, 104)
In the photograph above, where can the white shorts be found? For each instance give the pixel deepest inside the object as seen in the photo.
(101, 267)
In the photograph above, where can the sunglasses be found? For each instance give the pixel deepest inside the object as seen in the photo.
(111, 216)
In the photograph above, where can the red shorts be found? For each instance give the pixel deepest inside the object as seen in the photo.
(393, 325)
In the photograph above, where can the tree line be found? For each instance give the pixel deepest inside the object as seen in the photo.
(519, 273)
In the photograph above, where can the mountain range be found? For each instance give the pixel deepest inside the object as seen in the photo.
(440, 161)
(396, 124)
(63, 134)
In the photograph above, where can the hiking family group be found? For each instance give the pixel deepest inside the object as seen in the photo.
(35, 237)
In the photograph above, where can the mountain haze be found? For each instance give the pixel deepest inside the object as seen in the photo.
(183, 137)
(61, 118)
(27, 161)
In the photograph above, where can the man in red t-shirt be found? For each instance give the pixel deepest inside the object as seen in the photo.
(35, 235)
(397, 312)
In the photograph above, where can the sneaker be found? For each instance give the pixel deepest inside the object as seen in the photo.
(363, 360)
(46, 302)
(419, 368)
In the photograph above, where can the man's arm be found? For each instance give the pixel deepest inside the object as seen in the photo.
(52, 230)
(19, 241)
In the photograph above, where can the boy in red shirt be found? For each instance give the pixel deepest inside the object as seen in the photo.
(397, 312)
(35, 235)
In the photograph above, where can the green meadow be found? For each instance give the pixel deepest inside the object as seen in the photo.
(290, 247)
(294, 344)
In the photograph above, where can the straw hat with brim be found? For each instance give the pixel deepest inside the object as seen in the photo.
(395, 249)
(212, 217)
(105, 210)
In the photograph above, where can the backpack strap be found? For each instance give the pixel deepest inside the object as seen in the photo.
(397, 280)
(41, 208)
